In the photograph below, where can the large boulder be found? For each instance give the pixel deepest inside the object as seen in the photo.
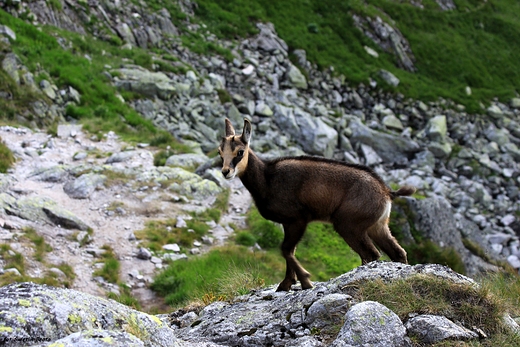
(391, 148)
(38, 315)
(310, 132)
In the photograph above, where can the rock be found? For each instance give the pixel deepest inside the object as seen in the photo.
(64, 218)
(390, 148)
(515, 103)
(267, 39)
(68, 130)
(52, 174)
(328, 311)
(433, 329)
(389, 78)
(10, 66)
(392, 122)
(41, 209)
(311, 133)
(83, 186)
(371, 324)
(372, 52)
(32, 313)
(120, 157)
(48, 89)
(8, 32)
(187, 160)
(147, 83)
(172, 247)
(143, 253)
(296, 78)
(437, 128)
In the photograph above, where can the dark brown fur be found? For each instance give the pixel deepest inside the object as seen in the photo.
(294, 191)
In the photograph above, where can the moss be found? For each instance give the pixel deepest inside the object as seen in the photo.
(74, 319)
(23, 302)
(6, 329)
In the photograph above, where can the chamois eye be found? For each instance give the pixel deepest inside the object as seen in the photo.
(240, 153)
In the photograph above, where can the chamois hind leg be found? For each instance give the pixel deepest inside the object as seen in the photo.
(380, 234)
(357, 238)
(293, 234)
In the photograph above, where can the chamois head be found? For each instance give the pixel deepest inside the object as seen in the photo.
(234, 150)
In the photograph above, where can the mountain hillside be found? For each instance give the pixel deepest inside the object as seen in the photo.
(112, 111)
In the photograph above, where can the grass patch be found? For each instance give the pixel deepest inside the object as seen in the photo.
(159, 233)
(111, 266)
(39, 242)
(6, 157)
(223, 273)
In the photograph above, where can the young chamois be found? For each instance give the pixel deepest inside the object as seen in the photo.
(294, 191)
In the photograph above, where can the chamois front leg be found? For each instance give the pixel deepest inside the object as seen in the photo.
(293, 234)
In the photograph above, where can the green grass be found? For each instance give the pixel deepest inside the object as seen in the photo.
(41, 247)
(6, 157)
(476, 45)
(201, 277)
(111, 266)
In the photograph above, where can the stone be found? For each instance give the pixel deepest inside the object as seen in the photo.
(437, 128)
(372, 324)
(120, 157)
(186, 160)
(83, 186)
(372, 52)
(391, 148)
(389, 78)
(8, 32)
(143, 253)
(392, 122)
(433, 329)
(296, 78)
(172, 247)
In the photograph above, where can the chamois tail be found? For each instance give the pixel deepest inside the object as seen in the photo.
(403, 191)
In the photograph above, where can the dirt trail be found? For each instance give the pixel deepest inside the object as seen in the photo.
(36, 150)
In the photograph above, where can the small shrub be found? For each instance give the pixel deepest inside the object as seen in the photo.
(6, 158)
(245, 238)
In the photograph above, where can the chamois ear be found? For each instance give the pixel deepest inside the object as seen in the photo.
(230, 131)
(246, 133)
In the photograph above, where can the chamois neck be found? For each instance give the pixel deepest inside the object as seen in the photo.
(253, 178)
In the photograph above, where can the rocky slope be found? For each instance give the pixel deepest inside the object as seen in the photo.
(326, 315)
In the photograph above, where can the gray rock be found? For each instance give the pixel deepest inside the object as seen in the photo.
(147, 83)
(389, 78)
(296, 78)
(83, 186)
(515, 102)
(10, 66)
(187, 160)
(75, 319)
(392, 122)
(433, 329)
(172, 247)
(311, 133)
(68, 130)
(143, 253)
(52, 174)
(437, 128)
(372, 324)
(328, 311)
(391, 148)
(64, 218)
(41, 209)
(8, 32)
(48, 89)
(267, 39)
(120, 157)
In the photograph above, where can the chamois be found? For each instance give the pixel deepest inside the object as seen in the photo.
(294, 191)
